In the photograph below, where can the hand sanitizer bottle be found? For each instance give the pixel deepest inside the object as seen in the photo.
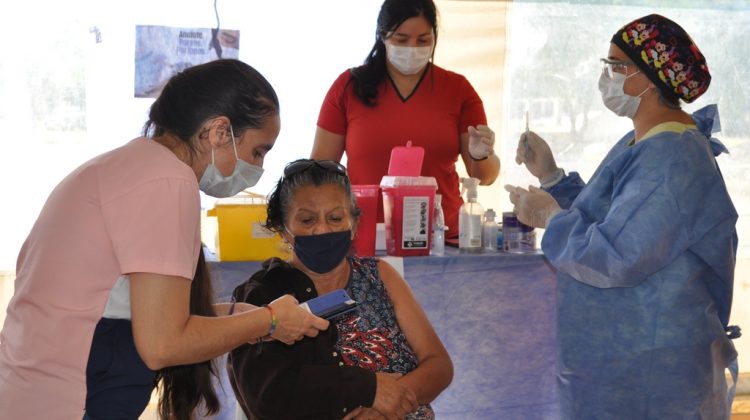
(470, 219)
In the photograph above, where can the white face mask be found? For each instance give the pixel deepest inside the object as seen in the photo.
(217, 185)
(614, 96)
(408, 60)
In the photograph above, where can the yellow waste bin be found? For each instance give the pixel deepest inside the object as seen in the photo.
(240, 235)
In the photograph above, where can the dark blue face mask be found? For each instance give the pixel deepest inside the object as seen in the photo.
(322, 253)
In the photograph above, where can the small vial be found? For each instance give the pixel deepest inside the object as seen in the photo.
(489, 231)
(528, 238)
(438, 241)
(438, 228)
(518, 238)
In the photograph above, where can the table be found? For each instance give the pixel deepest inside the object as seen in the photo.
(494, 312)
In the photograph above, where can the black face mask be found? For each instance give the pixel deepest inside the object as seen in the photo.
(322, 253)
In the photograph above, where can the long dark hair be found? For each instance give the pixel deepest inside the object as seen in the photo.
(228, 88)
(366, 78)
(185, 387)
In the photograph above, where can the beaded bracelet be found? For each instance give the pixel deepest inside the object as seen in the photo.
(273, 319)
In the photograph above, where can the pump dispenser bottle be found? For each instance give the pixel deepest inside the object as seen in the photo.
(470, 218)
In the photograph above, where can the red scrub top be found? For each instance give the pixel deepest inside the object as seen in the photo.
(441, 108)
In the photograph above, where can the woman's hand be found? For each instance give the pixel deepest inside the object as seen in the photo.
(477, 149)
(364, 413)
(536, 154)
(392, 399)
(481, 142)
(533, 207)
(292, 322)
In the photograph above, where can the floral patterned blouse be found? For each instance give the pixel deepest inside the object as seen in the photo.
(370, 337)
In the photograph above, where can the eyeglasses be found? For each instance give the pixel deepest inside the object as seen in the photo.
(301, 165)
(610, 67)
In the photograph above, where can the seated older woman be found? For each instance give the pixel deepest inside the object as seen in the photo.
(383, 360)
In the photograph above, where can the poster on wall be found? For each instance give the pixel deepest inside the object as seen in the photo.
(162, 51)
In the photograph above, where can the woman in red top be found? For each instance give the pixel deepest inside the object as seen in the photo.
(398, 95)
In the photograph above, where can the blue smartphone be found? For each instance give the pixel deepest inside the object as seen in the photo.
(331, 305)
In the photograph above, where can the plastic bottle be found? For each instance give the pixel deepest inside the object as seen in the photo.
(489, 231)
(470, 218)
(500, 237)
(438, 228)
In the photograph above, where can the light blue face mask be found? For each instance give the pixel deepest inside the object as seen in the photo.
(217, 185)
(614, 96)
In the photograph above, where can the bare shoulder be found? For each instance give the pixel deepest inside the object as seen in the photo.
(397, 288)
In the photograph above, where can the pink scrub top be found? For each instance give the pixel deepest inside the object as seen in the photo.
(133, 209)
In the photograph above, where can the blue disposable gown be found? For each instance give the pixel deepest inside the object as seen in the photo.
(645, 255)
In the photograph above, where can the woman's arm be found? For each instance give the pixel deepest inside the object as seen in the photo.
(435, 370)
(166, 334)
(635, 219)
(222, 309)
(566, 191)
(486, 170)
(328, 145)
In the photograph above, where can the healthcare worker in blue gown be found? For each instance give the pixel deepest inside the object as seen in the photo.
(644, 252)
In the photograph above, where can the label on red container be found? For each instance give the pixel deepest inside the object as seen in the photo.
(415, 224)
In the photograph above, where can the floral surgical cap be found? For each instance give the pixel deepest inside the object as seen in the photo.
(667, 55)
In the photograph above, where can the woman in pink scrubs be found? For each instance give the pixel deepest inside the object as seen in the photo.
(103, 280)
